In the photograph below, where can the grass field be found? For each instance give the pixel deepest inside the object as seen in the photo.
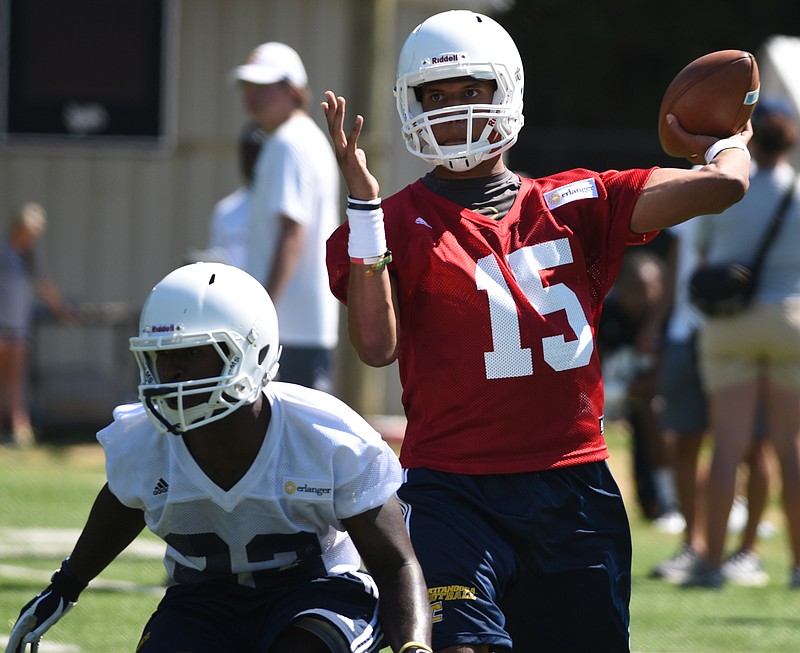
(46, 493)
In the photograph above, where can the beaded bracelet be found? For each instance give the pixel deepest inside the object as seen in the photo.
(375, 263)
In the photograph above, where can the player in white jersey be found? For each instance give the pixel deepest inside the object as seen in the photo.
(268, 495)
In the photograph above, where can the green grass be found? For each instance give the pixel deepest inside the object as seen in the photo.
(53, 487)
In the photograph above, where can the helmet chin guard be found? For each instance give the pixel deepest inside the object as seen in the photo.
(198, 305)
(451, 45)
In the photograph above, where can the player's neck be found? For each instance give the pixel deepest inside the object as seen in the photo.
(486, 168)
(294, 112)
(226, 449)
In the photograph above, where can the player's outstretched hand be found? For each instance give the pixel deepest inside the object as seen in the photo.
(361, 183)
(44, 610)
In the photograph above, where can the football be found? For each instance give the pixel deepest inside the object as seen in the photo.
(714, 95)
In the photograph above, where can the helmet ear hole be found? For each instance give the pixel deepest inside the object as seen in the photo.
(263, 354)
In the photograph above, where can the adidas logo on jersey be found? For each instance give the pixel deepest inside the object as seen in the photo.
(161, 487)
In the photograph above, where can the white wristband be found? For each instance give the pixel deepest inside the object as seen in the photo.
(367, 235)
(725, 144)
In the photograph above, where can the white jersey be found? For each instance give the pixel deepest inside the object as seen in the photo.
(320, 463)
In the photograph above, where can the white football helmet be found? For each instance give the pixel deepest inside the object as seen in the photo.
(198, 305)
(454, 44)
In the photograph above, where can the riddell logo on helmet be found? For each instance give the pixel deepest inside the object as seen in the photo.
(445, 58)
(162, 328)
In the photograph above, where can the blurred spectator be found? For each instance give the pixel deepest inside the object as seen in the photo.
(752, 359)
(229, 218)
(684, 420)
(22, 280)
(629, 342)
(294, 208)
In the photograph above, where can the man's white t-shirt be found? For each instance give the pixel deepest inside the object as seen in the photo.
(296, 175)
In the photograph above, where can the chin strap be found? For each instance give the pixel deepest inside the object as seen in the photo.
(148, 394)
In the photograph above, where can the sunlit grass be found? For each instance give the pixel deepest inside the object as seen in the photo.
(53, 487)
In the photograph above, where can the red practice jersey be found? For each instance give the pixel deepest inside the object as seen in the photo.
(497, 355)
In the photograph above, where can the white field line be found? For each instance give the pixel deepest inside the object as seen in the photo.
(46, 646)
(58, 542)
(16, 572)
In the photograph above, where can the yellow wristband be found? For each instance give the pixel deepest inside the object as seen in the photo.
(417, 645)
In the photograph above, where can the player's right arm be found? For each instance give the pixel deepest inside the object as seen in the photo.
(372, 315)
(673, 195)
(110, 528)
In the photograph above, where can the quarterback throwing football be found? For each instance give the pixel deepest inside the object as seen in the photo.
(487, 287)
(268, 495)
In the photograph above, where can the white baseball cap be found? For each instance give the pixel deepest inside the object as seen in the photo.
(270, 63)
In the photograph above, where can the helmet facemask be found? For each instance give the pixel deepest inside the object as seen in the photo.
(167, 402)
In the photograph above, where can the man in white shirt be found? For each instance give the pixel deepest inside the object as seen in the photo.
(294, 208)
